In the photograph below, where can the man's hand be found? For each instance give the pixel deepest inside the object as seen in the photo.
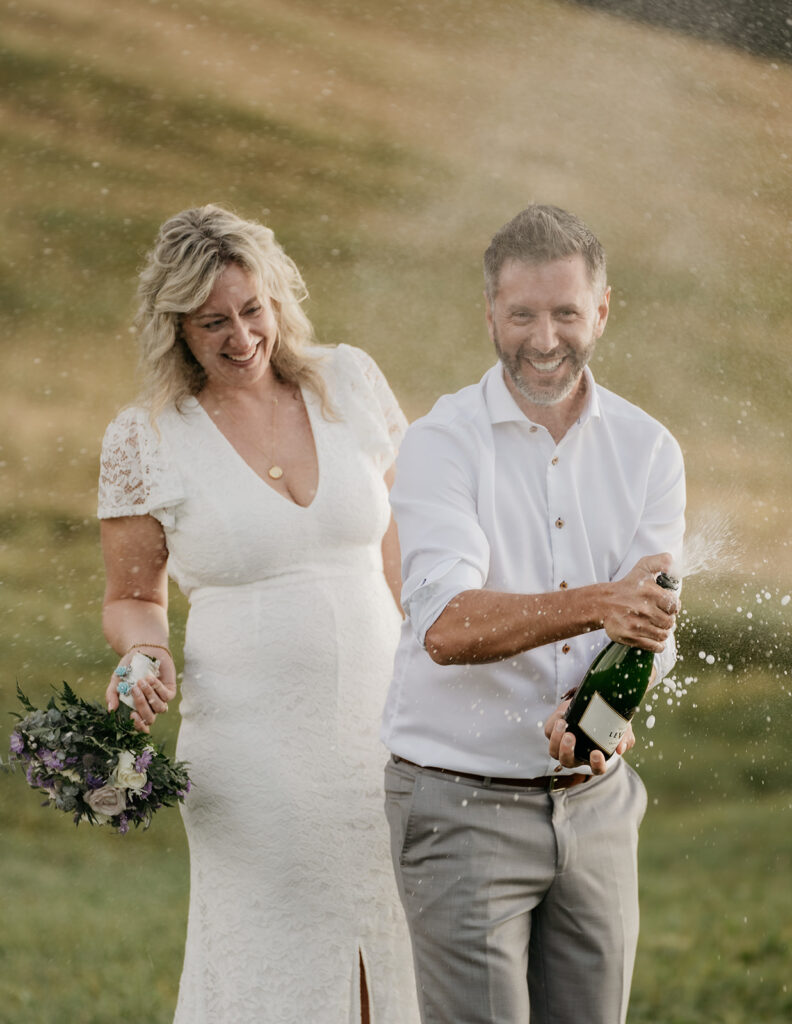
(638, 611)
(562, 743)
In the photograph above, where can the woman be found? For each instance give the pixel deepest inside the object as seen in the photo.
(255, 475)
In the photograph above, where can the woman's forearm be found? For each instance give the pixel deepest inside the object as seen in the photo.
(128, 621)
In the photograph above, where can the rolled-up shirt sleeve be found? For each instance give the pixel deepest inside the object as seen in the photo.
(662, 525)
(444, 549)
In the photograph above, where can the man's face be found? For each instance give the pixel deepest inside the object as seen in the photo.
(544, 322)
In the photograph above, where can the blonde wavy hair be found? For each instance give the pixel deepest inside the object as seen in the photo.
(191, 250)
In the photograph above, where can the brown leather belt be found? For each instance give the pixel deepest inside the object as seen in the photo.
(547, 782)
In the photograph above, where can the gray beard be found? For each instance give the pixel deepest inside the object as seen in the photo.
(544, 395)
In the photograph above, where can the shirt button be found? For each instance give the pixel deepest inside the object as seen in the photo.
(554, 461)
(566, 649)
(559, 522)
(563, 584)
(534, 429)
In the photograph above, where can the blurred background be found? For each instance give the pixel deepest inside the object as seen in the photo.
(384, 143)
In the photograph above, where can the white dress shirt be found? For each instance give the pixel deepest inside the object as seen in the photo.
(484, 498)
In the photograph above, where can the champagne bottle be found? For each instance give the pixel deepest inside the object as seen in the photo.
(610, 693)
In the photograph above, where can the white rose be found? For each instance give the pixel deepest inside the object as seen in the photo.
(125, 775)
(107, 801)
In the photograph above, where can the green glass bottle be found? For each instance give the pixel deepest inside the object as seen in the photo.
(610, 693)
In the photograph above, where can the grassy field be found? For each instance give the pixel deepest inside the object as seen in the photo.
(385, 143)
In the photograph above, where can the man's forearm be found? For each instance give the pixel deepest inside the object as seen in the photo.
(483, 625)
(479, 626)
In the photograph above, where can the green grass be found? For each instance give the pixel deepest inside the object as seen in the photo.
(93, 923)
(384, 144)
(716, 934)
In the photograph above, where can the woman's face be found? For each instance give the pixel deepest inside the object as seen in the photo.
(232, 335)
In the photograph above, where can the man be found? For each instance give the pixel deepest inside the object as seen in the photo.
(535, 510)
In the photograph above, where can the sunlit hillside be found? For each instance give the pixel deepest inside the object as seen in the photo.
(384, 144)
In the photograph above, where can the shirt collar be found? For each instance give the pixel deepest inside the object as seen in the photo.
(502, 407)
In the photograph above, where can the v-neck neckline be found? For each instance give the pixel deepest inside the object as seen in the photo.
(309, 410)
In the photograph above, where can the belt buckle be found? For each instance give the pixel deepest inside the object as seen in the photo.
(556, 783)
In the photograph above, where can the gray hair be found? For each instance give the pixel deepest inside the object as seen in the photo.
(191, 251)
(540, 234)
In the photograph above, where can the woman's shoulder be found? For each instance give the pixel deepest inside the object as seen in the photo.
(353, 358)
(127, 426)
(129, 415)
(364, 396)
(136, 471)
(353, 368)
(138, 422)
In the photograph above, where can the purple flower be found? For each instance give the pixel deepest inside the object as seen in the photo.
(17, 743)
(93, 781)
(50, 759)
(123, 824)
(146, 791)
(143, 761)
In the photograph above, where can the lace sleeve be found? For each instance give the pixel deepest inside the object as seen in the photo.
(135, 476)
(390, 413)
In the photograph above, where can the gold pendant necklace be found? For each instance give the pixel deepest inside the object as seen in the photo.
(275, 472)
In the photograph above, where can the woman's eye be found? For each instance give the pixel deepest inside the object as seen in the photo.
(253, 311)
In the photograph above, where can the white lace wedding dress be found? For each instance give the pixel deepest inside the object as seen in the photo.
(288, 654)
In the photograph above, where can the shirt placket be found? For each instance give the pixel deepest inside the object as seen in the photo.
(560, 504)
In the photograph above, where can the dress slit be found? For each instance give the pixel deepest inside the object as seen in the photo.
(365, 1004)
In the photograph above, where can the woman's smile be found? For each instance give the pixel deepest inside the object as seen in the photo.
(246, 357)
(235, 330)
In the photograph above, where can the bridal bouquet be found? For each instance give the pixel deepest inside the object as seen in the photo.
(94, 764)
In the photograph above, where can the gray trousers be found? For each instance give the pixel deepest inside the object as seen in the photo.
(522, 904)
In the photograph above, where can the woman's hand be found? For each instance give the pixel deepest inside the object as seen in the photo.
(151, 694)
(135, 610)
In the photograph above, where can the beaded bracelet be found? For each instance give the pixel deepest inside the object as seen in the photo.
(159, 647)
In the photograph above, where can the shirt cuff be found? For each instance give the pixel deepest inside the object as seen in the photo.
(425, 598)
(665, 660)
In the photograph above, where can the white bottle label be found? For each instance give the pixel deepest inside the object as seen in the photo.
(602, 724)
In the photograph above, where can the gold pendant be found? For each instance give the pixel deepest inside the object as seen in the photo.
(275, 472)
